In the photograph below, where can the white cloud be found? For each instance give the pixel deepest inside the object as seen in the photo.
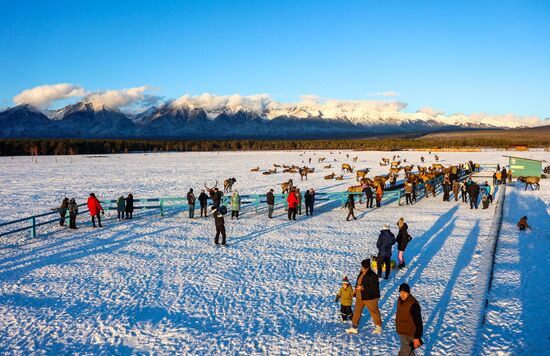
(430, 111)
(44, 95)
(388, 93)
(119, 98)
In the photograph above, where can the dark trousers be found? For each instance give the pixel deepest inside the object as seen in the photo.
(98, 216)
(350, 214)
(270, 208)
(378, 202)
(62, 220)
(383, 260)
(72, 221)
(299, 209)
(473, 201)
(120, 215)
(408, 198)
(129, 214)
(309, 209)
(220, 230)
(370, 201)
(234, 214)
(203, 210)
(192, 210)
(464, 196)
(346, 312)
(291, 213)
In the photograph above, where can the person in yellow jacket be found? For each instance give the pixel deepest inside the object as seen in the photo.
(345, 294)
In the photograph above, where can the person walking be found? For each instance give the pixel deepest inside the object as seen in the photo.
(270, 199)
(203, 201)
(456, 188)
(120, 207)
(350, 204)
(408, 321)
(310, 201)
(379, 195)
(369, 194)
(235, 205)
(191, 203)
(63, 211)
(408, 192)
(95, 209)
(385, 242)
(219, 222)
(402, 240)
(473, 194)
(367, 294)
(129, 206)
(292, 201)
(73, 212)
(345, 295)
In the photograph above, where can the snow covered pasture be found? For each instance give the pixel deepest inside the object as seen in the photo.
(158, 284)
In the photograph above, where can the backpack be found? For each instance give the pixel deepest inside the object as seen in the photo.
(222, 209)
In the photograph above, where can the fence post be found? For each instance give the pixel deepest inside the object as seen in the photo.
(33, 229)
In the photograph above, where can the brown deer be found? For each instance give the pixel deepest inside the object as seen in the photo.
(529, 181)
(211, 190)
(362, 173)
(395, 170)
(228, 184)
(257, 169)
(320, 159)
(339, 178)
(328, 167)
(330, 176)
(286, 186)
(303, 172)
(346, 168)
(355, 158)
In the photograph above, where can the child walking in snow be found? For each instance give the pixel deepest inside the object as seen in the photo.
(345, 294)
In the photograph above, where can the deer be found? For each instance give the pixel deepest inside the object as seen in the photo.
(436, 158)
(347, 168)
(277, 165)
(228, 184)
(386, 160)
(257, 169)
(286, 186)
(211, 190)
(395, 163)
(339, 178)
(395, 170)
(303, 172)
(328, 167)
(330, 176)
(529, 181)
(362, 173)
(408, 169)
(355, 158)
(320, 159)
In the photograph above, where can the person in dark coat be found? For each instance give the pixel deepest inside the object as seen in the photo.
(504, 174)
(63, 211)
(191, 203)
(367, 294)
(446, 188)
(310, 201)
(203, 200)
(129, 206)
(408, 321)
(386, 240)
(120, 207)
(350, 204)
(219, 222)
(473, 193)
(270, 200)
(73, 212)
(217, 197)
(370, 195)
(402, 240)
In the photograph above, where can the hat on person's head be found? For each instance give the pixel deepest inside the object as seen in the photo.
(386, 226)
(190, 189)
(345, 280)
(365, 263)
(404, 287)
(271, 190)
(213, 207)
(92, 194)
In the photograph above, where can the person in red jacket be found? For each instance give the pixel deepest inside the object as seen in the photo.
(95, 209)
(292, 201)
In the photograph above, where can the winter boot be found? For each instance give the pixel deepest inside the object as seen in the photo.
(377, 329)
(352, 330)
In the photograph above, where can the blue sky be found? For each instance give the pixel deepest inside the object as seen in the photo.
(462, 56)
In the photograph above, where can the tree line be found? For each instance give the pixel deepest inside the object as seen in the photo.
(20, 147)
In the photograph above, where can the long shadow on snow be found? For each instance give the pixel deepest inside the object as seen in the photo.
(462, 261)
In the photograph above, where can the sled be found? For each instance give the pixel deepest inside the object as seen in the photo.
(374, 264)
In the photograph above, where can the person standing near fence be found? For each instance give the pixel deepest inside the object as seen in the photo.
(63, 211)
(191, 203)
(369, 194)
(270, 199)
(310, 201)
(446, 188)
(203, 201)
(463, 191)
(292, 202)
(408, 321)
(235, 205)
(456, 188)
(473, 193)
(95, 209)
(73, 211)
(299, 197)
(408, 192)
(120, 207)
(129, 206)
(350, 204)
(385, 242)
(379, 195)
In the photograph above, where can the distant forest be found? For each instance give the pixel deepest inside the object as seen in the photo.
(19, 147)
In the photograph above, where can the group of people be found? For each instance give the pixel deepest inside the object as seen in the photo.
(294, 202)
(408, 319)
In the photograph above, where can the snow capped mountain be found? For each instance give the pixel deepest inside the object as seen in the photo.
(204, 117)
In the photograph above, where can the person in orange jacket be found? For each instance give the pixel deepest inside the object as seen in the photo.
(292, 201)
(379, 195)
(95, 208)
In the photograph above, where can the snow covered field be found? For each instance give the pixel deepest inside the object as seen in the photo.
(159, 285)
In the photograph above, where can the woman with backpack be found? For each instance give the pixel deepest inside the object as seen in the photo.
(402, 239)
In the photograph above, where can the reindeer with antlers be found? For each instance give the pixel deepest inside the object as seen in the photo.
(214, 193)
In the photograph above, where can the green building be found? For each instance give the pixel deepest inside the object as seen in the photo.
(524, 167)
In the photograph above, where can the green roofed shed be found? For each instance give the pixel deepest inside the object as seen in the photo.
(526, 167)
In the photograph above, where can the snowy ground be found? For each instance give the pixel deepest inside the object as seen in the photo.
(159, 285)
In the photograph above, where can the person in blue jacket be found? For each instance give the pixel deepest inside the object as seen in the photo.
(385, 243)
